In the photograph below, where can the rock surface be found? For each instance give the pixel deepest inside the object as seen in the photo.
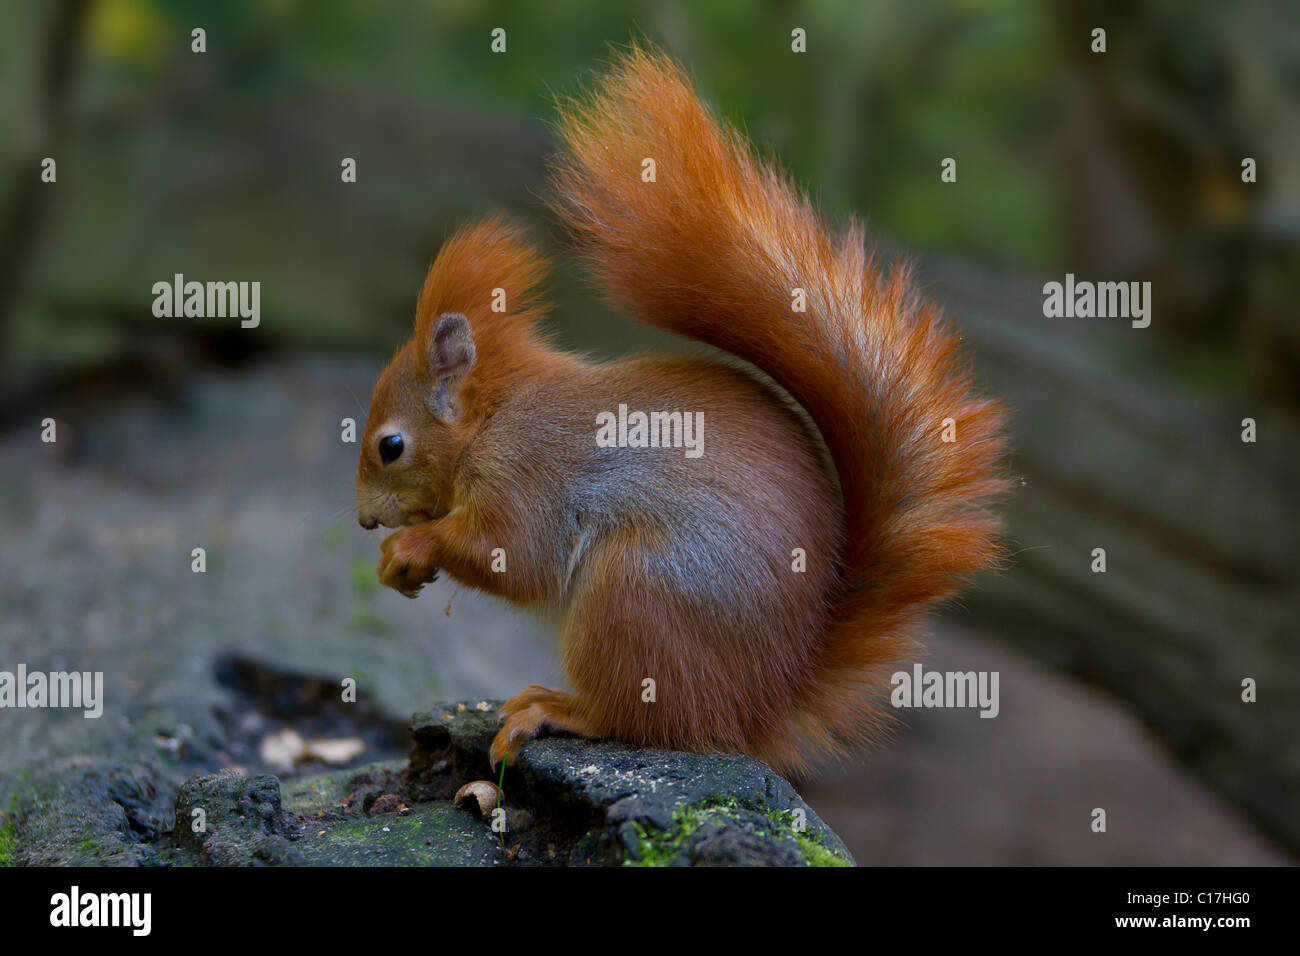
(228, 819)
(566, 801)
(575, 802)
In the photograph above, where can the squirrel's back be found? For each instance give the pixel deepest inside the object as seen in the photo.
(720, 247)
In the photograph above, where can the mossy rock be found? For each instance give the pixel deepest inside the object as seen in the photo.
(565, 801)
(578, 802)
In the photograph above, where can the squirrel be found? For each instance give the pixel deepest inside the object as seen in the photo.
(752, 598)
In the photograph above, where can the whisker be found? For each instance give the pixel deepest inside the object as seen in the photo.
(364, 413)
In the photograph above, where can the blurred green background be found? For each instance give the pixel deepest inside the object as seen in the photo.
(1122, 166)
(227, 163)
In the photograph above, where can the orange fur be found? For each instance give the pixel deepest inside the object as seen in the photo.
(676, 569)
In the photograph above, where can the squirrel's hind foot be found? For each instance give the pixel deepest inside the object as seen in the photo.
(524, 715)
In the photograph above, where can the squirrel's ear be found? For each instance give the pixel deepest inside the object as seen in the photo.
(451, 356)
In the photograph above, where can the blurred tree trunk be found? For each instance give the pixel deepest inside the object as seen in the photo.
(1201, 532)
(1150, 156)
(20, 231)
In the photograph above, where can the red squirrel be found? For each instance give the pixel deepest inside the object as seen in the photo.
(754, 597)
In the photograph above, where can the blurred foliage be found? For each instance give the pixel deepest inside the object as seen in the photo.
(226, 164)
(929, 78)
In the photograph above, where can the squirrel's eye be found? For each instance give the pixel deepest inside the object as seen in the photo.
(390, 448)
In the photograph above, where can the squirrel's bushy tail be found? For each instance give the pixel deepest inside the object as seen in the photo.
(720, 247)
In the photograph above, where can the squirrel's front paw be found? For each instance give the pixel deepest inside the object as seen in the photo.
(406, 561)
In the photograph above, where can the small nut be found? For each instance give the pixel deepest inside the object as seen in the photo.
(480, 795)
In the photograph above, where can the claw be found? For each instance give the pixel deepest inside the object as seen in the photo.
(518, 729)
(500, 750)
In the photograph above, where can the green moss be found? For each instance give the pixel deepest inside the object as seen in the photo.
(436, 834)
(818, 853)
(657, 847)
(8, 840)
(814, 850)
(308, 796)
